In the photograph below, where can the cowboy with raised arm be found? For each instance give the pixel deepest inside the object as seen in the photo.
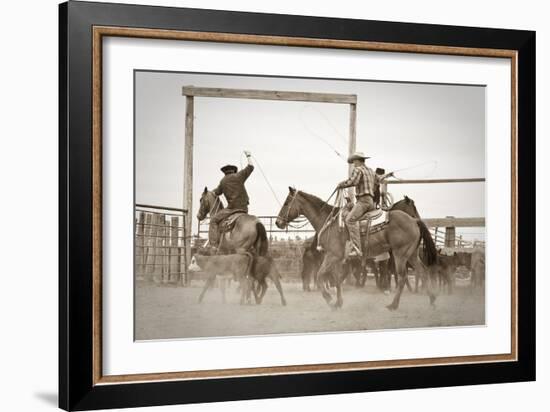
(365, 180)
(232, 187)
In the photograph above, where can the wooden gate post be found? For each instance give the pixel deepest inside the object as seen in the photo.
(188, 174)
(352, 131)
(450, 235)
(140, 249)
(172, 250)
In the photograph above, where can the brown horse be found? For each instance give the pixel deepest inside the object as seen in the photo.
(248, 233)
(401, 235)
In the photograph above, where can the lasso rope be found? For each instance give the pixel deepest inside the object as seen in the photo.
(267, 181)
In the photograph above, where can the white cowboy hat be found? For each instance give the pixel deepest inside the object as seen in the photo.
(357, 156)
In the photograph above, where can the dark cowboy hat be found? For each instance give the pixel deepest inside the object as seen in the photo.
(357, 156)
(229, 168)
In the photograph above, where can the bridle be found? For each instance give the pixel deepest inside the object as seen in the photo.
(285, 219)
(215, 207)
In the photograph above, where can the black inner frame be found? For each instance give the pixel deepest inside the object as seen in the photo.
(76, 389)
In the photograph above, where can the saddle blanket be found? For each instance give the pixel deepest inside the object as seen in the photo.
(373, 229)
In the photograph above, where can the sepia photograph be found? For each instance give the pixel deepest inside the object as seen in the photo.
(279, 205)
(260, 205)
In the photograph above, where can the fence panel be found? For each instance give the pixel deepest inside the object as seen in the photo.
(160, 246)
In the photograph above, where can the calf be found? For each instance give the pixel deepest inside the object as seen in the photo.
(235, 267)
(264, 267)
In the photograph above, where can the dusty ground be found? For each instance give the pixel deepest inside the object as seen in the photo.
(164, 312)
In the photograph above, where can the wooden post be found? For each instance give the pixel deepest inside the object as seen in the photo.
(185, 276)
(188, 174)
(140, 249)
(172, 251)
(352, 131)
(149, 249)
(450, 235)
(153, 250)
(165, 239)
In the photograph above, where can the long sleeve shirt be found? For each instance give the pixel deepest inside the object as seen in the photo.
(232, 187)
(363, 178)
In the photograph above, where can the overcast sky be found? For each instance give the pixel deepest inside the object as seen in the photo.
(439, 127)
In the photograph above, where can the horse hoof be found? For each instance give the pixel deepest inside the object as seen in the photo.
(283, 303)
(391, 307)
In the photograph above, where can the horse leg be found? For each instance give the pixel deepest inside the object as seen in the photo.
(207, 285)
(339, 298)
(257, 290)
(385, 281)
(357, 273)
(306, 279)
(279, 287)
(418, 266)
(401, 271)
(407, 282)
(346, 268)
(377, 277)
(245, 289)
(322, 277)
(223, 284)
(263, 286)
(275, 276)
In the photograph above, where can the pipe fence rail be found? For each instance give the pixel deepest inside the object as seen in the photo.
(443, 230)
(306, 230)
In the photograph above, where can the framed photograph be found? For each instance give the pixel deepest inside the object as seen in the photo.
(256, 206)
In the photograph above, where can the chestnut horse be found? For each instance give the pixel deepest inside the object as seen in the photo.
(401, 235)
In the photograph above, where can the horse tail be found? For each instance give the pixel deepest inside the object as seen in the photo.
(261, 244)
(430, 251)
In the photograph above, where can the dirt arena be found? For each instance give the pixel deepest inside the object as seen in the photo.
(167, 312)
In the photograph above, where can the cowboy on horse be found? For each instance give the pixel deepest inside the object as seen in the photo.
(234, 231)
(232, 187)
(366, 182)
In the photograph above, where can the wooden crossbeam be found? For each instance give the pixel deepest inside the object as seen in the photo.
(191, 91)
(455, 222)
(410, 181)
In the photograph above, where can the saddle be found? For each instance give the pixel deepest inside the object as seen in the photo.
(364, 226)
(372, 215)
(228, 222)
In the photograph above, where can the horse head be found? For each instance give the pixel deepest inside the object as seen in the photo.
(408, 206)
(208, 199)
(290, 209)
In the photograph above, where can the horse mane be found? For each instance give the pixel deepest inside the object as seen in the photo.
(318, 202)
(396, 206)
(221, 207)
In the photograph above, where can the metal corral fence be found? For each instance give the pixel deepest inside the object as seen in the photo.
(160, 246)
(287, 246)
(304, 230)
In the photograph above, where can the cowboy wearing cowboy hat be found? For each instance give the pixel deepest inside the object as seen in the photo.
(232, 187)
(365, 180)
